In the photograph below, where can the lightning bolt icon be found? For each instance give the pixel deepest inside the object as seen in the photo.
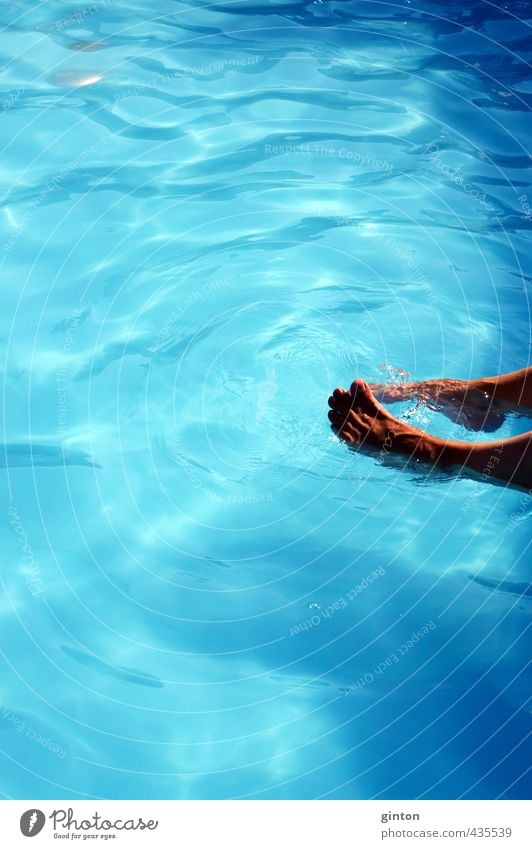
(33, 820)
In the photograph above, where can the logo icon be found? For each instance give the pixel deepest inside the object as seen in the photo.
(32, 822)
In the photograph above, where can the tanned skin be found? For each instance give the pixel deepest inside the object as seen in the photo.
(360, 419)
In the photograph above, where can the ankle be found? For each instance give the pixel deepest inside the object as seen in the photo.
(440, 451)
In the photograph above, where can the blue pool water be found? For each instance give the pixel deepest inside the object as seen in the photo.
(212, 215)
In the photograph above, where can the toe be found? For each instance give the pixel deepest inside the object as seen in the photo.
(351, 435)
(340, 400)
(359, 387)
(348, 437)
(363, 398)
(336, 417)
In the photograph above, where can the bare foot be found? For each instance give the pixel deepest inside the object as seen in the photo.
(358, 418)
(465, 402)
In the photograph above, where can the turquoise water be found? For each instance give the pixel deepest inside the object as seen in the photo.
(210, 217)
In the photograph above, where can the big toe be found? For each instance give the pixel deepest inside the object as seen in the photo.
(362, 396)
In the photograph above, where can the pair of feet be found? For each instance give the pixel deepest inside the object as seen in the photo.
(359, 418)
